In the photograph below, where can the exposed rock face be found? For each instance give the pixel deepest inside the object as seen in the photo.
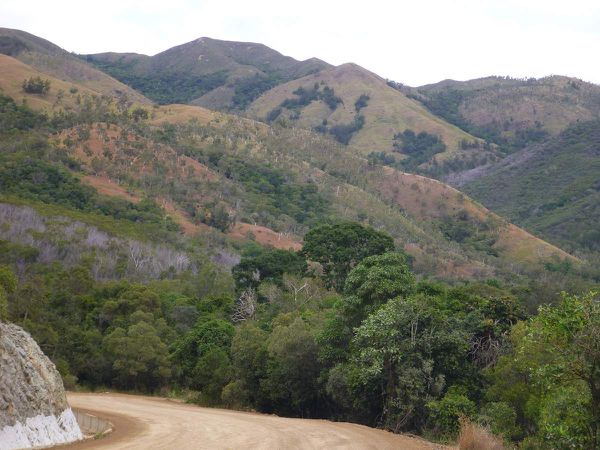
(33, 406)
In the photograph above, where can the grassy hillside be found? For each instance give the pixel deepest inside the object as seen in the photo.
(432, 220)
(46, 57)
(362, 111)
(62, 94)
(219, 165)
(552, 188)
(513, 112)
(207, 72)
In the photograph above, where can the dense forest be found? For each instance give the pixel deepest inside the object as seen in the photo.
(344, 328)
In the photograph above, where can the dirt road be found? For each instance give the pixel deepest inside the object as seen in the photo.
(154, 423)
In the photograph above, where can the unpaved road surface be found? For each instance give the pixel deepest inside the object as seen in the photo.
(155, 423)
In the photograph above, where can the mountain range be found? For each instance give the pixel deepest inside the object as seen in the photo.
(277, 143)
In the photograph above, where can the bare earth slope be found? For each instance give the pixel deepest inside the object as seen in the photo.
(155, 423)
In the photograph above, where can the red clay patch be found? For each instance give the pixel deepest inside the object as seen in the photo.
(107, 187)
(265, 236)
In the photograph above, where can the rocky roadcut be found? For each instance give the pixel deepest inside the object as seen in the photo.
(33, 406)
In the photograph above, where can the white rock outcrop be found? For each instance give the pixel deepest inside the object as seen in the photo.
(33, 407)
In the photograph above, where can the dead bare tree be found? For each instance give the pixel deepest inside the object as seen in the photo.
(245, 306)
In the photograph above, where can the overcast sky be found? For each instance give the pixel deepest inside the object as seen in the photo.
(413, 42)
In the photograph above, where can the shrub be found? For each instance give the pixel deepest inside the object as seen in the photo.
(273, 115)
(445, 413)
(344, 132)
(362, 102)
(501, 419)
(36, 85)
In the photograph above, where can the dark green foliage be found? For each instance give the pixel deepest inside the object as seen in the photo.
(139, 114)
(33, 178)
(340, 247)
(17, 117)
(161, 86)
(402, 356)
(464, 229)
(446, 412)
(344, 132)
(249, 89)
(36, 85)
(291, 380)
(374, 281)
(8, 284)
(268, 266)
(382, 158)
(37, 180)
(273, 114)
(305, 97)
(550, 377)
(445, 104)
(362, 102)
(330, 99)
(140, 357)
(200, 347)
(273, 191)
(418, 147)
(218, 217)
(555, 193)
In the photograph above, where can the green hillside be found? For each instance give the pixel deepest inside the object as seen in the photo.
(552, 189)
(207, 72)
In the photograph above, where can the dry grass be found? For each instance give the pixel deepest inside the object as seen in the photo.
(12, 74)
(265, 236)
(388, 112)
(64, 66)
(475, 437)
(106, 186)
(181, 114)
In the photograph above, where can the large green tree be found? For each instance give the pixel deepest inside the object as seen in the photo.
(140, 357)
(340, 247)
(402, 357)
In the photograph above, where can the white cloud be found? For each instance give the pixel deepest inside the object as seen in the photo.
(413, 42)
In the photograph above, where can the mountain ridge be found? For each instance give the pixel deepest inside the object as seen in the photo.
(49, 58)
(224, 62)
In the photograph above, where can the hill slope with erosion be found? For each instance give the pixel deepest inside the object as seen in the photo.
(207, 72)
(52, 60)
(362, 110)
